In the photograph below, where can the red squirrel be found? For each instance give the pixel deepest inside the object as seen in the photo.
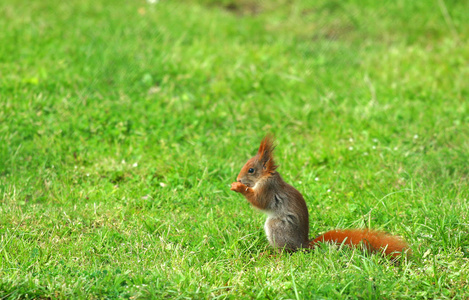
(287, 224)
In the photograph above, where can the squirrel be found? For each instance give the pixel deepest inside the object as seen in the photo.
(287, 224)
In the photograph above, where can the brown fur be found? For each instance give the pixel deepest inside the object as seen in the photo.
(265, 154)
(375, 241)
(287, 225)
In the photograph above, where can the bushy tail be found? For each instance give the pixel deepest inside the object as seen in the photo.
(375, 241)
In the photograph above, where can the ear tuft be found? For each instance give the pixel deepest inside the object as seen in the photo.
(265, 153)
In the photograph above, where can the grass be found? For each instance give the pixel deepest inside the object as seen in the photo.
(123, 123)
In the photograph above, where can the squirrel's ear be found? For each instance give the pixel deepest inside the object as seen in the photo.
(265, 153)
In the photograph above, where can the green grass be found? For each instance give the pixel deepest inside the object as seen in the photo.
(123, 124)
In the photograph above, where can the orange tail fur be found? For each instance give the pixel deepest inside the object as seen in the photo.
(375, 241)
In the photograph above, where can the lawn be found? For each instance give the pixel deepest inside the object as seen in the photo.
(123, 124)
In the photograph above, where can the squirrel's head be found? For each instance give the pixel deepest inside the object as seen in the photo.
(260, 166)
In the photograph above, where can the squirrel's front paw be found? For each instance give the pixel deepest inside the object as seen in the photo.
(238, 187)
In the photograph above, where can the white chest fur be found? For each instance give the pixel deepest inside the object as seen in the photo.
(267, 229)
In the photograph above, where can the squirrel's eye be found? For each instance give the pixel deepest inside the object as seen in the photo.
(251, 170)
